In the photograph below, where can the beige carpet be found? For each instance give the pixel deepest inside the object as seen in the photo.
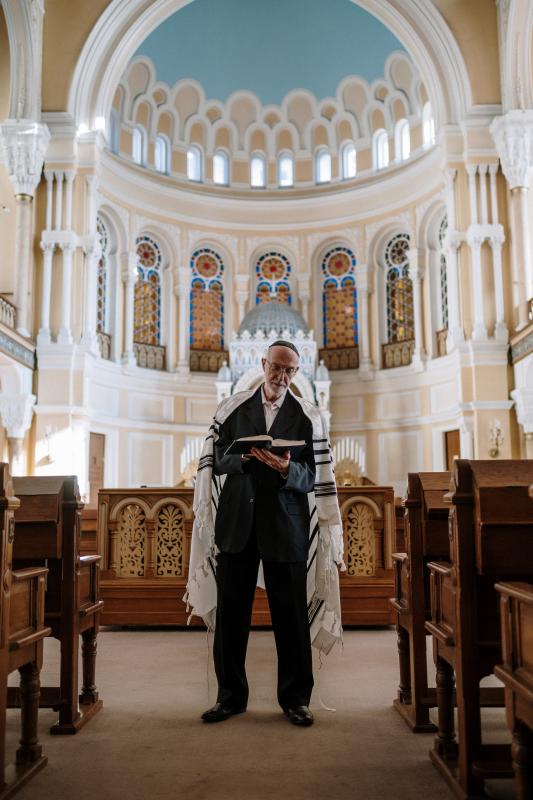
(148, 741)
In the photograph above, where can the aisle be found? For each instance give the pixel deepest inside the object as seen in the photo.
(148, 742)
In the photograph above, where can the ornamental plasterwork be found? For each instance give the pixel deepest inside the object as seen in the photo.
(402, 222)
(228, 241)
(103, 202)
(290, 244)
(349, 236)
(171, 233)
(513, 137)
(23, 147)
(433, 201)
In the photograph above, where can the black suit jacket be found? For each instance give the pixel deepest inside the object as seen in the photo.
(256, 495)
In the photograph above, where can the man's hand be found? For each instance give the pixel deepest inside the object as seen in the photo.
(279, 463)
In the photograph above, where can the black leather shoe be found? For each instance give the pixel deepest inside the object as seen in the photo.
(220, 712)
(300, 715)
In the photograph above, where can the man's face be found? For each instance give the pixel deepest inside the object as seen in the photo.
(280, 366)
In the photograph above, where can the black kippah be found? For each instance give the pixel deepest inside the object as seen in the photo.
(283, 343)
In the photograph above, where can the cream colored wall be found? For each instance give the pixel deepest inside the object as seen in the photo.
(475, 28)
(7, 201)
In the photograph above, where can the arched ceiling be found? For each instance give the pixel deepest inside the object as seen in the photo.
(269, 47)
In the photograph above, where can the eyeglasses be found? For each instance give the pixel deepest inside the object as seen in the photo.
(277, 369)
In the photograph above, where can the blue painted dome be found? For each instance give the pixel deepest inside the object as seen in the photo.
(273, 316)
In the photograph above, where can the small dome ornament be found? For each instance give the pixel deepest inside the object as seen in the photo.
(272, 319)
(224, 373)
(322, 372)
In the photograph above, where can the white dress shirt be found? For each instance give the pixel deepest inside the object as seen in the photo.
(271, 408)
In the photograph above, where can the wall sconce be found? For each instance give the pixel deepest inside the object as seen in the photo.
(495, 438)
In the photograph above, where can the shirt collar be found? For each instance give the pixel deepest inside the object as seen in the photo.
(276, 403)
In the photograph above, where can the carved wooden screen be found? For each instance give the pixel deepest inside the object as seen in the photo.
(170, 537)
(147, 301)
(339, 298)
(360, 540)
(400, 314)
(273, 272)
(207, 301)
(131, 536)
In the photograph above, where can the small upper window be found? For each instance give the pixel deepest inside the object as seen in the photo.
(381, 149)
(286, 170)
(194, 163)
(349, 161)
(138, 148)
(323, 166)
(114, 132)
(258, 171)
(161, 152)
(402, 140)
(221, 168)
(428, 126)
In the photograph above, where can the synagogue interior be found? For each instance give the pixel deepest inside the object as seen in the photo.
(182, 183)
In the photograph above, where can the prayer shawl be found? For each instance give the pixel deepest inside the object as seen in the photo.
(325, 532)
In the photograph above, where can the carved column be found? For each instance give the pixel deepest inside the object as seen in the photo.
(65, 334)
(49, 175)
(43, 336)
(129, 278)
(475, 239)
(16, 412)
(183, 290)
(472, 192)
(455, 329)
(92, 253)
(513, 136)
(415, 273)
(58, 222)
(241, 296)
(496, 241)
(23, 144)
(362, 276)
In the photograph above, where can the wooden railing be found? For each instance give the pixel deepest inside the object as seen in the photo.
(104, 344)
(7, 313)
(207, 360)
(442, 337)
(149, 356)
(144, 538)
(340, 358)
(398, 354)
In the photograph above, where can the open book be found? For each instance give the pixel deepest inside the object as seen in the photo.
(243, 445)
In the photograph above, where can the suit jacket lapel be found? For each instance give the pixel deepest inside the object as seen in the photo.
(283, 425)
(253, 410)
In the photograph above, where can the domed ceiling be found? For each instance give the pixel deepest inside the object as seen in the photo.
(269, 47)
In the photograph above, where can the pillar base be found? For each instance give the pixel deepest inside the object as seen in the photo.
(183, 369)
(501, 332)
(64, 336)
(129, 360)
(418, 361)
(479, 334)
(24, 332)
(90, 343)
(43, 337)
(366, 370)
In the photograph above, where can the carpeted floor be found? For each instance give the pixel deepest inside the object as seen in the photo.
(148, 741)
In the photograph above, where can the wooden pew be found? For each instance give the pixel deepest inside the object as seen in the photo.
(516, 673)
(491, 539)
(426, 538)
(22, 631)
(47, 529)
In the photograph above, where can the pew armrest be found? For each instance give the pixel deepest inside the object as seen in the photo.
(442, 595)
(87, 611)
(400, 565)
(31, 638)
(92, 559)
(28, 573)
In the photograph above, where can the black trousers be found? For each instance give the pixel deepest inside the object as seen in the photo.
(285, 585)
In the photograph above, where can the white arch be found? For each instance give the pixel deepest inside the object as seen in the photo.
(124, 25)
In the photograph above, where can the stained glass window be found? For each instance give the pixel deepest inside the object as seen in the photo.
(273, 278)
(443, 272)
(400, 316)
(339, 298)
(101, 295)
(147, 302)
(207, 301)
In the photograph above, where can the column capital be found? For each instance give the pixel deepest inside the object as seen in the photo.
(47, 247)
(128, 267)
(476, 235)
(497, 236)
(513, 137)
(67, 247)
(23, 145)
(17, 411)
(471, 170)
(363, 277)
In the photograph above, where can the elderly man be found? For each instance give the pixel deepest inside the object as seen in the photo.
(263, 514)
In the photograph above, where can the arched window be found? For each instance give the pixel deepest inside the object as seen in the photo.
(194, 163)
(161, 154)
(147, 299)
(402, 140)
(381, 149)
(348, 161)
(323, 165)
(258, 171)
(339, 299)
(273, 272)
(138, 146)
(221, 168)
(285, 169)
(102, 272)
(443, 274)
(207, 301)
(400, 316)
(428, 126)
(114, 132)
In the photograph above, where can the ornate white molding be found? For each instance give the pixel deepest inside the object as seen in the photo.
(397, 223)
(23, 145)
(227, 241)
(24, 20)
(513, 137)
(16, 412)
(288, 245)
